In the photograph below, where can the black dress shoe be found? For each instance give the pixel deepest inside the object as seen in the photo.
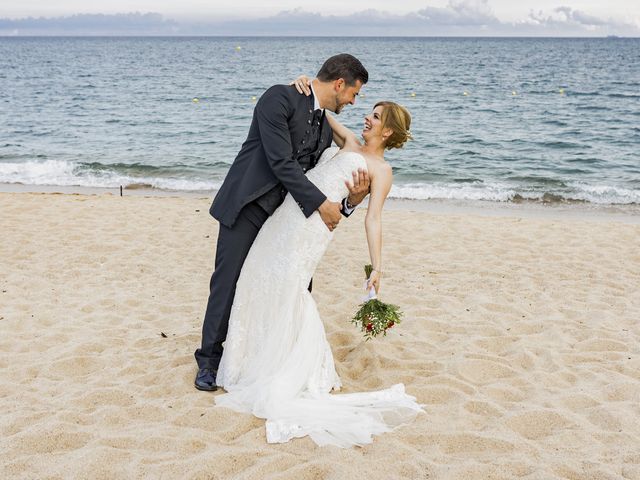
(206, 379)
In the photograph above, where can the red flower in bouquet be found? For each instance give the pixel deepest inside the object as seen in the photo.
(375, 317)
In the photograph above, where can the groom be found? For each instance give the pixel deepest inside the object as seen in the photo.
(288, 134)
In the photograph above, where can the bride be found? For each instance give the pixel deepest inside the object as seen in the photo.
(277, 363)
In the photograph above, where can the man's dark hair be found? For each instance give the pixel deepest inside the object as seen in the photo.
(344, 66)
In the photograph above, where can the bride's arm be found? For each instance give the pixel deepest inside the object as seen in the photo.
(341, 134)
(380, 186)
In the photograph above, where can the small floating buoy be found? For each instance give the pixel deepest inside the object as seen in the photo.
(254, 98)
(413, 94)
(513, 92)
(561, 91)
(195, 100)
(238, 48)
(465, 93)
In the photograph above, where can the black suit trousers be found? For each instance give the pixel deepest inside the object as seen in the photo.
(231, 251)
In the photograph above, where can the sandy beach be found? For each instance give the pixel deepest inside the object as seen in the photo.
(521, 336)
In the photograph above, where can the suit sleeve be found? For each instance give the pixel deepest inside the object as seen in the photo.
(346, 211)
(272, 112)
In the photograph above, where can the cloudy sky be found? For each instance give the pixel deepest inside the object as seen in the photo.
(329, 17)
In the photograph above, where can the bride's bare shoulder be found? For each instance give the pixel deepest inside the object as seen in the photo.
(377, 167)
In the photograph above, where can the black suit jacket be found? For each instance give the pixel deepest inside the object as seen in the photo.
(267, 158)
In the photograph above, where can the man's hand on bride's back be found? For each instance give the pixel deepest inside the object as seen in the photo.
(330, 214)
(359, 187)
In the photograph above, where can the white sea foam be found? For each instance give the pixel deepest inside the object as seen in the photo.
(63, 173)
(453, 191)
(497, 192)
(604, 194)
(50, 172)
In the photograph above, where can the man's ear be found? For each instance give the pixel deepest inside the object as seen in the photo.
(338, 84)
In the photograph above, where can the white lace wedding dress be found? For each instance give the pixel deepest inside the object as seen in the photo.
(277, 363)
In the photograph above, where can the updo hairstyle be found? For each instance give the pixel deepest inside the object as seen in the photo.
(398, 119)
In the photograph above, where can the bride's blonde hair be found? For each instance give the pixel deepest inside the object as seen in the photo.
(398, 119)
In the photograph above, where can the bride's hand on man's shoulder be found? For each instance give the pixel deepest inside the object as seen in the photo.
(303, 84)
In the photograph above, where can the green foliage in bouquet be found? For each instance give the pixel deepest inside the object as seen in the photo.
(368, 268)
(375, 317)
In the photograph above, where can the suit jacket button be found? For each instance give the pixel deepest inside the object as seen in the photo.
(302, 141)
(309, 122)
(297, 151)
(307, 131)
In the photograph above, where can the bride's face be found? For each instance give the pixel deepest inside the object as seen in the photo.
(373, 124)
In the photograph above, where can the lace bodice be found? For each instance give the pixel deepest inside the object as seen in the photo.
(333, 166)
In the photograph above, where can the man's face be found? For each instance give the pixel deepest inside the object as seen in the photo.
(345, 94)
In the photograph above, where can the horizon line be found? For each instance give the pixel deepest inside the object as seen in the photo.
(607, 37)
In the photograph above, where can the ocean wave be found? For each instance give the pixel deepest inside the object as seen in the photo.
(604, 194)
(496, 192)
(524, 188)
(453, 191)
(623, 95)
(593, 108)
(586, 94)
(561, 145)
(64, 173)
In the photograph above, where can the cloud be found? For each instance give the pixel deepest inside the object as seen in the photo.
(566, 16)
(460, 13)
(576, 16)
(566, 19)
(91, 24)
(457, 18)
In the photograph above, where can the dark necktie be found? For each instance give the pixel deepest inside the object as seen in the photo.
(316, 122)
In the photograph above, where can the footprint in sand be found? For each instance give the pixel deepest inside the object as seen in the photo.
(601, 345)
(74, 367)
(534, 425)
(480, 371)
(54, 440)
(482, 408)
(467, 443)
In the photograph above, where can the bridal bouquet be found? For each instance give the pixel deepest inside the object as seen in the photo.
(375, 317)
